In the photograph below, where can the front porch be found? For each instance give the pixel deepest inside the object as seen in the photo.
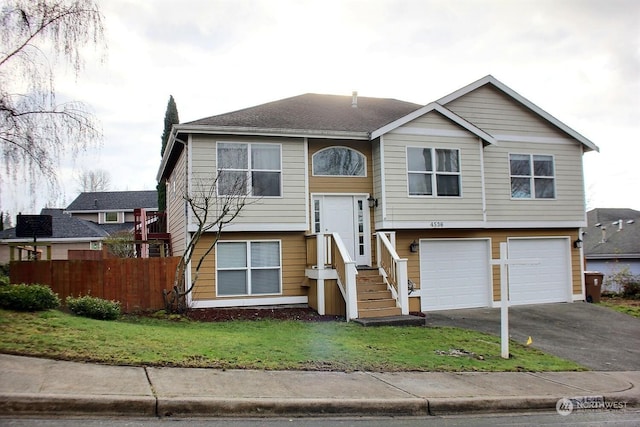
(366, 294)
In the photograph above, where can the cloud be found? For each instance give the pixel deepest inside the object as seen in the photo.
(577, 59)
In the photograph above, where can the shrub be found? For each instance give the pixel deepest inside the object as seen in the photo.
(628, 282)
(25, 297)
(94, 308)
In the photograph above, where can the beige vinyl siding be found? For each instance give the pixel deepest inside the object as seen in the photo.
(293, 250)
(176, 219)
(568, 205)
(341, 184)
(495, 112)
(402, 207)
(288, 209)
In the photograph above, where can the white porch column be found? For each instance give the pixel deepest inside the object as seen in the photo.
(320, 262)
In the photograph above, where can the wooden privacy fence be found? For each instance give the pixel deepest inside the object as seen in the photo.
(136, 282)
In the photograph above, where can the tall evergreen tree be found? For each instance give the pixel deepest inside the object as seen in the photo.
(170, 119)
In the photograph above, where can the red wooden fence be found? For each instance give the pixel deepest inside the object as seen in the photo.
(136, 282)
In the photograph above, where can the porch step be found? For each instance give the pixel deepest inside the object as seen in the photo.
(374, 299)
(379, 312)
(376, 303)
(374, 295)
(392, 321)
(370, 287)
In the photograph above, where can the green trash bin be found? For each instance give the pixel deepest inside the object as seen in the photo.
(593, 285)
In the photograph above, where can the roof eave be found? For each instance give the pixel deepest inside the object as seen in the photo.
(588, 144)
(252, 131)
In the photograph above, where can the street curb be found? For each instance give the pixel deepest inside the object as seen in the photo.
(77, 405)
(265, 407)
(457, 405)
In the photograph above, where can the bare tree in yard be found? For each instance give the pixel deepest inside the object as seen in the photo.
(36, 130)
(93, 180)
(211, 213)
(121, 244)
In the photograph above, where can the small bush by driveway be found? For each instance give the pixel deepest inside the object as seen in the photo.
(593, 336)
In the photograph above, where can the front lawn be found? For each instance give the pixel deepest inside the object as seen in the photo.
(623, 305)
(263, 344)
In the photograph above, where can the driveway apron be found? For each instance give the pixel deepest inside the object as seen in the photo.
(593, 336)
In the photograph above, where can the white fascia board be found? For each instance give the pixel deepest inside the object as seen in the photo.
(168, 149)
(524, 101)
(250, 131)
(54, 240)
(444, 224)
(258, 227)
(434, 106)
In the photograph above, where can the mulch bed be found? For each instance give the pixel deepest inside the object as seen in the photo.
(226, 314)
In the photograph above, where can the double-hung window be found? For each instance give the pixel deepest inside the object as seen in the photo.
(433, 171)
(248, 268)
(252, 169)
(532, 176)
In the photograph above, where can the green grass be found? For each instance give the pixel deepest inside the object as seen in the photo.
(630, 307)
(263, 344)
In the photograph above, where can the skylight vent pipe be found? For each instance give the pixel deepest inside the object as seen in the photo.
(354, 99)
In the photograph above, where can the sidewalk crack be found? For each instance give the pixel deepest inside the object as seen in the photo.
(153, 391)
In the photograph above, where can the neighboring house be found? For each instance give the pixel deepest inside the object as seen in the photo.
(112, 209)
(422, 194)
(612, 242)
(88, 220)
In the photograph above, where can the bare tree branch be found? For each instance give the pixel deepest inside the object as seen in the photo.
(35, 130)
(210, 212)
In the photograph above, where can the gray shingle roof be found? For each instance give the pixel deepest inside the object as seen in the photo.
(617, 242)
(316, 112)
(65, 226)
(114, 200)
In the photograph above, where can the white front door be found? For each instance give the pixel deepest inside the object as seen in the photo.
(349, 217)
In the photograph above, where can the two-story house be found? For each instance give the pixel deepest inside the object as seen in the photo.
(419, 197)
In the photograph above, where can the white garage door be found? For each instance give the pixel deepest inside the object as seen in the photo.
(454, 273)
(548, 281)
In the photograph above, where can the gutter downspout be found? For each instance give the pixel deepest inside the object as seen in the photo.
(482, 183)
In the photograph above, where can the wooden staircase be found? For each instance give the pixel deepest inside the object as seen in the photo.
(374, 299)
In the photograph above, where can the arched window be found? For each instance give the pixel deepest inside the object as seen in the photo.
(339, 161)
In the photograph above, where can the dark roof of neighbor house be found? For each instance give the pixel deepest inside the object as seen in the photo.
(316, 112)
(114, 200)
(65, 226)
(612, 233)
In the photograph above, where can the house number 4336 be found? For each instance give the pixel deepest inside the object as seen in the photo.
(437, 224)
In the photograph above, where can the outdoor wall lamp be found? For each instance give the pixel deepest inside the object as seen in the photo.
(577, 244)
(414, 246)
(373, 203)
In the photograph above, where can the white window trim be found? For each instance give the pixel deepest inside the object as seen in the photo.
(249, 169)
(434, 173)
(533, 177)
(366, 162)
(249, 268)
(119, 215)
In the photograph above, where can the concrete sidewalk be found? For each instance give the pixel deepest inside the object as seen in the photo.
(41, 386)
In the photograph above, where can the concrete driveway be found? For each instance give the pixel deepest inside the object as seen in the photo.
(596, 337)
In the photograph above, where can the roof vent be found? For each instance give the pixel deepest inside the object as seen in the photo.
(354, 99)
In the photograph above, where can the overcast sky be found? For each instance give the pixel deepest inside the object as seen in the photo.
(579, 60)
